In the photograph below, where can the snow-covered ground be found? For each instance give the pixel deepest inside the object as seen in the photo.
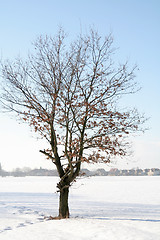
(101, 208)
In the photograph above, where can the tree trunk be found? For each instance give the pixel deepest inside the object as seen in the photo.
(63, 203)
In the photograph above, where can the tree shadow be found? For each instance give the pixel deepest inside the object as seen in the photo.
(127, 219)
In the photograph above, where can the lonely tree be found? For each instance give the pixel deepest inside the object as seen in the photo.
(69, 95)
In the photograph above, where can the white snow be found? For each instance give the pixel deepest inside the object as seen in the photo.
(122, 208)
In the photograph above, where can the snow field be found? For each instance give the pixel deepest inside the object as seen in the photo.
(101, 208)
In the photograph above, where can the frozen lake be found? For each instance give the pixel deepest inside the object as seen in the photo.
(25, 201)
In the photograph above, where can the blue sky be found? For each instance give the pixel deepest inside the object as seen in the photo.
(136, 32)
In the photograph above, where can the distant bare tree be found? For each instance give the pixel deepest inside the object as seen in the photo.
(69, 95)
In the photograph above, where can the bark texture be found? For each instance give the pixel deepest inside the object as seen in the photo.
(63, 203)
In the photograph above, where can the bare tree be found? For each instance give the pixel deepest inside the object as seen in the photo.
(69, 95)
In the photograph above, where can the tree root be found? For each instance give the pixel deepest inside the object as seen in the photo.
(54, 218)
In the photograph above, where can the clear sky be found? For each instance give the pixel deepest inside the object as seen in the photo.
(135, 26)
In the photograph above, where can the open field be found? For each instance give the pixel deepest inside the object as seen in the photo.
(101, 208)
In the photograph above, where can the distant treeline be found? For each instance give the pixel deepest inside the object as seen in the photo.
(99, 172)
